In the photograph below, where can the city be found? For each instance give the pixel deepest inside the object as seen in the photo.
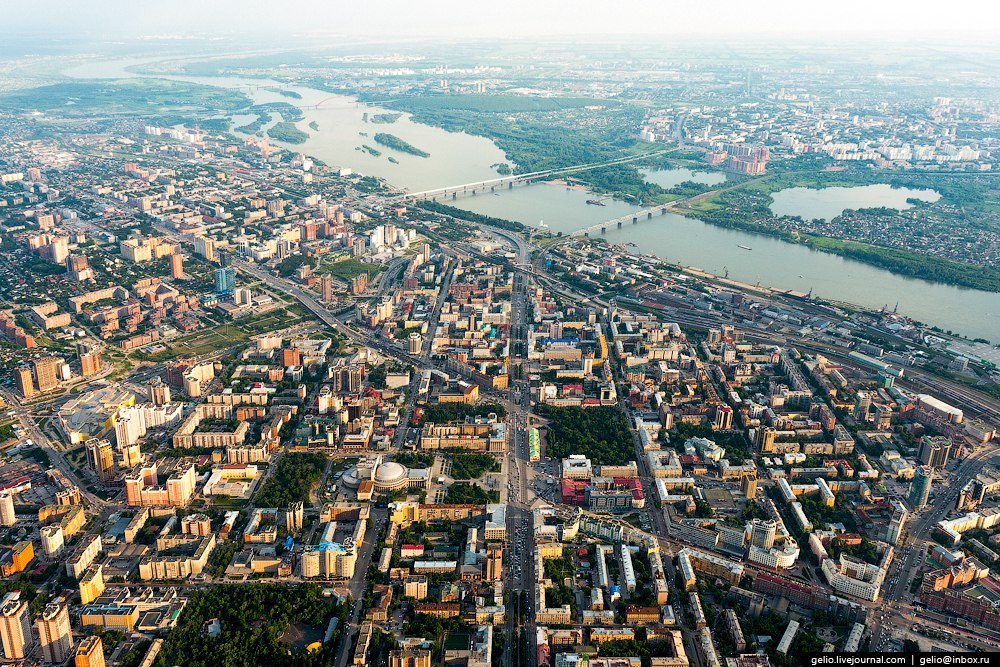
(582, 356)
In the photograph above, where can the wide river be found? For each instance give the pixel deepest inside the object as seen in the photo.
(457, 158)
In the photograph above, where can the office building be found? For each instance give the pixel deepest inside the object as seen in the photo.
(225, 280)
(920, 487)
(762, 533)
(55, 634)
(415, 343)
(765, 439)
(101, 457)
(15, 627)
(935, 451)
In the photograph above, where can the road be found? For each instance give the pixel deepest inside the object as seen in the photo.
(359, 581)
(56, 458)
(916, 545)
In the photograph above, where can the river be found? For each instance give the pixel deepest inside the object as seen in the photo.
(459, 158)
(454, 157)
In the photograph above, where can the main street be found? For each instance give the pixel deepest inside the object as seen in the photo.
(56, 458)
(916, 544)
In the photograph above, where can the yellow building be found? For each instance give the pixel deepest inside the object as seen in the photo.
(17, 559)
(90, 653)
(91, 584)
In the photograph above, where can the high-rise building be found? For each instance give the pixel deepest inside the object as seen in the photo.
(55, 634)
(101, 457)
(762, 533)
(15, 627)
(131, 455)
(59, 249)
(90, 359)
(90, 653)
(935, 451)
(415, 343)
(920, 487)
(7, 517)
(79, 268)
(897, 523)
(326, 284)
(723, 418)
(494, 562)
(243, 296)
(177, 266)
(765, 439)
(47, 373)
(862, 404)
(159, 392)
(294, 517)
(204, 247)
(359, 283)
(749, 486)
(225, 280)
(25, 381)
(53, 540)
(91, 583)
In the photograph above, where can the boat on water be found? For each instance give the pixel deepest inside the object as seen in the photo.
(596, 202)
(744, 247)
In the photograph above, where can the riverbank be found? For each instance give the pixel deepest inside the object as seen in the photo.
(748, 208)
(459, 158)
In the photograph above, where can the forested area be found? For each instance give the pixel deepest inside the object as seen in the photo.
(293, 479)
(601, 434)
(253, 617)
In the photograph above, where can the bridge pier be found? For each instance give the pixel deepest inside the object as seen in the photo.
(604, 230)
(619, 224)
(649, 215)
(510, 186)
(663, 211)
(454, 195)
(587, 234)
(635, 219)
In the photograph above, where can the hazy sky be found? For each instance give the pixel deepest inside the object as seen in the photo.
(890, 19)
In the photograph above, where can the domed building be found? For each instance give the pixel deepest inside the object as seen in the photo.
(386, 476)
(390, 476)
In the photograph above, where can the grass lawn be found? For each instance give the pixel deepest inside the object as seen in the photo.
(346, 269)
(232, 333)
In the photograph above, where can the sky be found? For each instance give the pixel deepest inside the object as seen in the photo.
(877, 19)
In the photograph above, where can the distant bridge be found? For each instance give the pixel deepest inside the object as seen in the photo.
(493, 184)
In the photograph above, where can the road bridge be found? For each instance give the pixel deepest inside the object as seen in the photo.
(632, 218)
(494, 184)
